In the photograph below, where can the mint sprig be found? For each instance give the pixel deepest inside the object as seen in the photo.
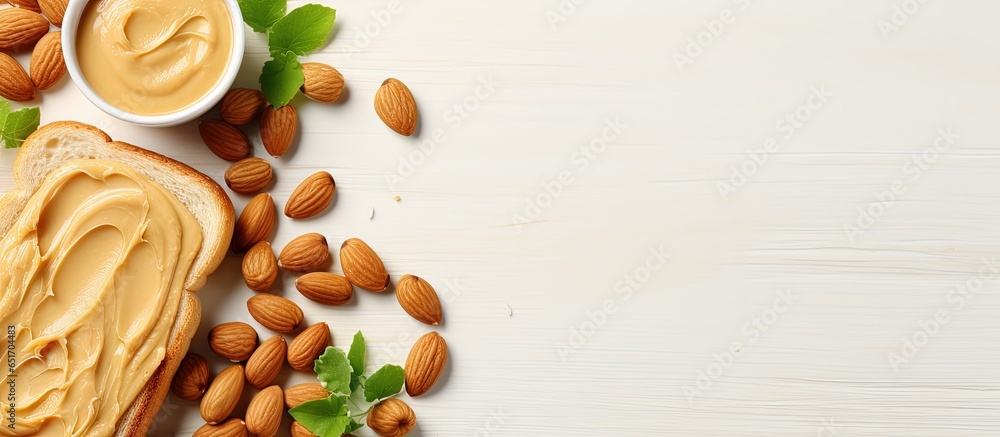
(302, 31)
(356, 356)
(281, 79)
(327, 417)
(260, 15)
(15, 126)
(333, 371)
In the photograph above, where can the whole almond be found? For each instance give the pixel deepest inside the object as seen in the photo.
(248, 176)
(304, 253)
(325, 288)
(20, 28)
(298, 430)
(191, 379)
(264, 412)
(222, 396)
(231, 428)
(307, 346)
(305, 392)
(265, 363)
(418, 299)
(392, 418)
(362, 266)
(14, 81)
(323, 82)
(277, 129)
(54, 10)
(260, 267)
(425, 363)
(311, 197)
(224, 140)
(275, 312)
(234, 341)
(395, 106)
(47, 64)
(31, 5)
(241, 105)
(255, 224)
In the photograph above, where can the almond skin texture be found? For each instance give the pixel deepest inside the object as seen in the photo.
(224, 140)
(298, 430)
(222, 396)
(231, 428)
(14, 81)
(248, 176)
(21, 29)
(47, 63)
(305, 392)
(307, 346)
(418, 299)
(265, 363)
(425, 363)
(264, 412)
(234, 341)
(362, 266)
(241, 105)
(275, 312)
(395, 106)
(323, 82)
(305, 253)
(260, 267)
(191, 379)
(277, 129)
(325, 288)
(255, 224)
(392, 418)
(54, 10)
(312, 196)
(31, 5)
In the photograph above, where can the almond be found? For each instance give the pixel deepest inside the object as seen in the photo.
(191, 379)
(277, 129)
(298, 430)
(255, 224)
(323, 82)
(305, 392)
(31, 5)
(54, 10)
(304, 253)
(222, 396)
(231, 428)
(425, 363)
(260, 267)
(241, 105)
(224, 140)
(307, 346)
(311, 197)
(14, 81)
(418, 299)
(265, 363)
(47, 63)
(234, 341)
(264, 412)
(275, 312)
(325, 288)
(20, 28)
(392, 418)
(248, 176)
(395, 106)
(362, 266)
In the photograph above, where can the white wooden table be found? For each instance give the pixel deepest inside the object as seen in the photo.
(639, 227)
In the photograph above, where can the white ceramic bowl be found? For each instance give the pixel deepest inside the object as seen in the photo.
(71, 22)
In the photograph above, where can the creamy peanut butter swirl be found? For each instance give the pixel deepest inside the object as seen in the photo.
(92, 275)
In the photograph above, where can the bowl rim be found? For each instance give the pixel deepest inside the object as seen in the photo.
(70, 25)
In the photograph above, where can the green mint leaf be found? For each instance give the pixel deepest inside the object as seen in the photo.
(16, 126)
(352, 426)
(324, 417)
(303, 30)
(4, 109)
(281, 79)
(260, 15)
(333, 371)
(385, 382)
(357, 358)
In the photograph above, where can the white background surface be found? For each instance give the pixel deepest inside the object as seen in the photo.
(702, 347)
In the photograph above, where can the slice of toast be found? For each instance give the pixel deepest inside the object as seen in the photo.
(57, 143)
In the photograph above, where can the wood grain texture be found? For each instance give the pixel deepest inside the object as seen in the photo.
(780, 308)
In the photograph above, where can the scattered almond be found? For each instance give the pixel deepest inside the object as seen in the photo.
(264, 412)
(47, 64)
(298, 430)
(323, 82)
(418, 299)
(265, 363)
(395, 106)
(260, 267)
(425, 363)
(31, 5)
(325, 288)
(231, 428)
(191, 379)
(241, 105)
(305, 392)
(304, 253)
(20, 28)
(234, 341)
(14, 81)
(362, 266)
(222, 396)
(307, 346)
(224, 140)
(277, 129)
(275, 312)
(311, 197)
(54, 10)
(392, 418)
(255, 224)
(248, 176)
